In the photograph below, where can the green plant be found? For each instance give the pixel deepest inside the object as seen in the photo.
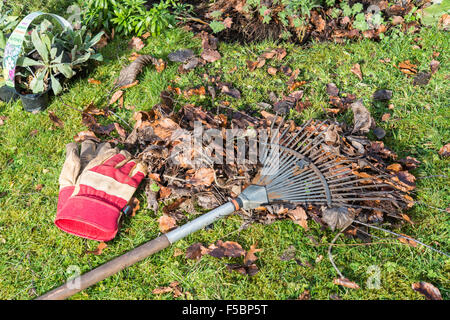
(7, 24)
(56, 53)
(98, 14)
(130, 16)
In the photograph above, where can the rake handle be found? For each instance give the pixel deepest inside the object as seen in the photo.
(140, 253)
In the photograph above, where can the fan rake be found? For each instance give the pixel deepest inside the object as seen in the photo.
(296, 167)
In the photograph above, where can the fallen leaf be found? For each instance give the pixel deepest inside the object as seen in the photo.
(356, 69)
(332, 89)
(136, 43)
(129, 85)
(146, 35)
(412, 243)
(396, 167)
(160, 65)
(129, 73)
(445, 151)
(428, 290)
(135, 206)
(337, 217)
(305, 295)
(385, 117)
(93, 81)
(196, 251)
(298, 215)
(116, 96)
(98, 251)
(166, 223)
(271, 70)
(422, 78)
(382, 95)
(84, 135)
(54, 118)
(211, 55)
(361, 117)
(250, 256)
(407, 67)
(38, 187)
(345, 283)
(410, 162)
(227, 22)
(434, 66)
(2, 120)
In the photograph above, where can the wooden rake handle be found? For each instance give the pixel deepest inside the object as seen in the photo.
(143, 251)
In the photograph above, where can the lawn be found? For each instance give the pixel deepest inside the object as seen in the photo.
(36, 256)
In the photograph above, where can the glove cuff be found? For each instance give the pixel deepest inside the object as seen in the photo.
(88, 218)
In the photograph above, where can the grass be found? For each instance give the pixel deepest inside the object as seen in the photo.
(36, 256)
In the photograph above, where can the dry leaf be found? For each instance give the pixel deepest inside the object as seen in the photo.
(396, 167)
(346, 283)
(166, 223)
(130, 85)
(116, 96)
(298, 215)
(135, 206)
(445, 151)
(203, 177)
(250, 256)
(83, 135)
(356, 69)
(93, 81)
(407, 67)
(99, 249)
(136, 43)
(385, 117)
(412, 243)
(196, 251)
(428, 290)
(271, 70)
(54, 118)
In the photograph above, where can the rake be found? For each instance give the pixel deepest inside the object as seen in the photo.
(296, 168)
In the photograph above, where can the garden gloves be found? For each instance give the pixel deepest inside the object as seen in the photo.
(95, 185)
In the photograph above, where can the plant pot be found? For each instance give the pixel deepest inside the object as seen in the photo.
(35, 102)
(8, 94)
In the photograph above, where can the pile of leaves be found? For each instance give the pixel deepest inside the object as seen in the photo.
(313, 19)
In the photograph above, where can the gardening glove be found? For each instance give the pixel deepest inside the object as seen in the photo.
(95, 185)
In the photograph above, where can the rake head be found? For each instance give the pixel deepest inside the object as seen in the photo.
(299, 167)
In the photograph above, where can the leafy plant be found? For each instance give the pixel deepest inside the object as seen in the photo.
(130, 16)
(7, 24)
(57, 53)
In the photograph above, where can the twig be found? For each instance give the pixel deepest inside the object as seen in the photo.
(330, 257)
(401, 236)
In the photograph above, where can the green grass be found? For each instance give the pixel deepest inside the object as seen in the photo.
(35, 254)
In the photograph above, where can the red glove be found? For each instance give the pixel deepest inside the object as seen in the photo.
(94, 188)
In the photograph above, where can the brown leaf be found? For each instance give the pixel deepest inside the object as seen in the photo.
(164, 128)
(226, 249)
(196, 251)
(116, 96)
(92, 109)
(93, 81)
(428, 290)
(396, 167)
(410, 162)
(346, 283)
(304, 296)
(130, 85)
(38, 187)
(146, 35)
(2, 120)
(337, 217)
(250, 256)
(434, 66)
(162, 290)
(271, 70)
(298, 215)
(356, 69)
(136, 43)
(83, 135)
(164, 192)
(407, 67)
(332, 90)
(135, 206)
(385, 117)
(227, 22)
(160, 65)
(361, 117)
(406, 217)
(445, 151)
(98, 250)
(54, 118)
(210, 55)
(166, 223)
(412, 243)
